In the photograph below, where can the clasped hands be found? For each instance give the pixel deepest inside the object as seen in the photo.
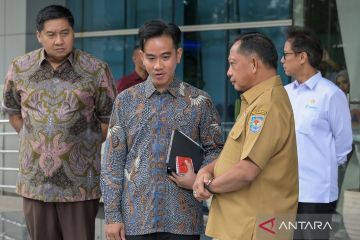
(199, 190)
(193, 181)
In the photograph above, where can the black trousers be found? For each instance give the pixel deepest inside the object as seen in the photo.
(163, 236)
(311, 214)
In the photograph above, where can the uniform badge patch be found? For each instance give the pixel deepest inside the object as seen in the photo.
(256, 122)
(257, 112)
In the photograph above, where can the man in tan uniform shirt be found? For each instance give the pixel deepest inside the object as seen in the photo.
(255, 178)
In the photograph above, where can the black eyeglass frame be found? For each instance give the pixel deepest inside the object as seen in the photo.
(287, 53)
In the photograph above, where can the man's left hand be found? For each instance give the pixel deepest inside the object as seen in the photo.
(185, 180)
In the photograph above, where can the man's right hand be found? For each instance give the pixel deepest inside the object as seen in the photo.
(16, 122)
(115, 231)
(199, 192)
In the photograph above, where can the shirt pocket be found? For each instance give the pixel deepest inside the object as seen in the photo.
(232, 150)
(311, 121)
(236, 131)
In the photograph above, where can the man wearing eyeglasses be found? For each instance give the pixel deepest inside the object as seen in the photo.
(323, 129)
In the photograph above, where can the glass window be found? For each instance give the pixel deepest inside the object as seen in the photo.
(92, 15)
(262, 10)
(204, 62)
(140, 11)
(206, 12)
(109, 49)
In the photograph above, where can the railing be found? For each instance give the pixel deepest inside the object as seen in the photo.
(13, 226)
(3, 151)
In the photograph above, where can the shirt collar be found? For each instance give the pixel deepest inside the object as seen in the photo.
(174, 88)
(253, 93)
(311, 82)
(70, 58)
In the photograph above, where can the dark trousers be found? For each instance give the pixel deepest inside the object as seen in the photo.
(311, 213)
(60, 220)
(163, 236)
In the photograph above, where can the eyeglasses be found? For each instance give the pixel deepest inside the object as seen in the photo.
(287, 53)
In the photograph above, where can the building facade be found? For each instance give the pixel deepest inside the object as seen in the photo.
(108, 30)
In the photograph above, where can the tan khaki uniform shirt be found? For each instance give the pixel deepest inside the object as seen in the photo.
(264, 132)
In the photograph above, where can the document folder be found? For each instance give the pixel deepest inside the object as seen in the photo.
(183, 146)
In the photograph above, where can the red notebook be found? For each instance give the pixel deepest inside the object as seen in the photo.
(181, 167)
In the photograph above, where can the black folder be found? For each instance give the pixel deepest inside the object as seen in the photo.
(183, 145)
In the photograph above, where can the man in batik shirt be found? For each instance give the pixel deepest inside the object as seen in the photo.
(140, 200)
(59, 100)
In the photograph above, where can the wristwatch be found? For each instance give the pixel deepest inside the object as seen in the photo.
(207, 185)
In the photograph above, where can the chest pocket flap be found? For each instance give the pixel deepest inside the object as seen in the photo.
(236, 130)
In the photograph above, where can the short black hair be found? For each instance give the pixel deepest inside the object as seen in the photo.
(305, 40)
(53, 12)
(261, 45)
(157, 28)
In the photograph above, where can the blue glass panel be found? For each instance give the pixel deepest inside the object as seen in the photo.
(109, 49)
(214, 58)
(145, 10)
(93, 15)
(211, 11)
(204, 62)
(116, 52)
(277, 35)
(76, 7)
(223, 11)
(260, 10)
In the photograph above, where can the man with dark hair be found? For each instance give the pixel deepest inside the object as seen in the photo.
(255, 178)
(140, 200)
(342, 81)
(53, 12)
(59, 100)
(323, 129)
(137, 76)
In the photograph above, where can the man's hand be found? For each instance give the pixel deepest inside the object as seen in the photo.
(16, 122)
(184, 180)
(115, 231)
(200, 193)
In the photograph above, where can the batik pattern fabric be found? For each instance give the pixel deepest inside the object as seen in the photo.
(136, 188)
(62, 112)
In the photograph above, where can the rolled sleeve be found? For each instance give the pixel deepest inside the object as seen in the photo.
(210, 131)
(12, 99)
(105, 95)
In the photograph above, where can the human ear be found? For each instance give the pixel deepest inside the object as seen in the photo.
(38, 36)
(179, 52)
(254, 64)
